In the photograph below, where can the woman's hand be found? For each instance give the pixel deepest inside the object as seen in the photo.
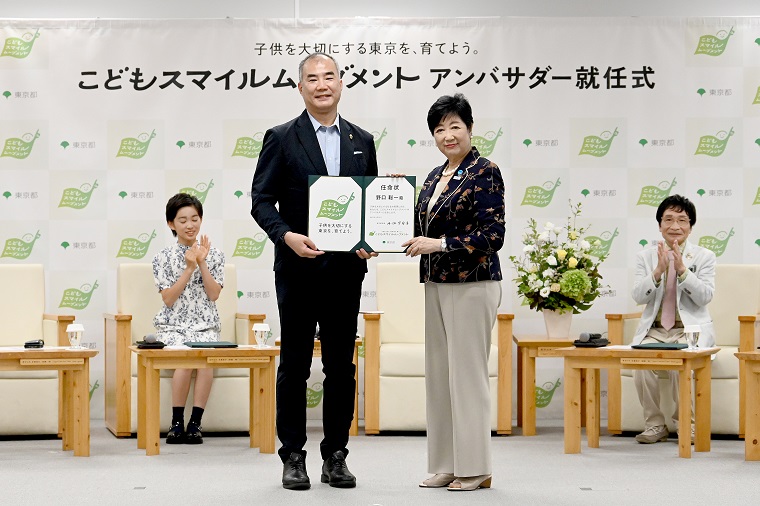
(202, 249)
(422, 245)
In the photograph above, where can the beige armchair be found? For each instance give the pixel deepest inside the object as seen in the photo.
(394, 359)
(734, 310)
(29, 399)
(137, 302)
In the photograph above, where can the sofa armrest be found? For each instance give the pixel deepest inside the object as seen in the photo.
(372, 373)
(504, 375)
(244, 326)
(615, 322)
(54, 328)
(118, 373)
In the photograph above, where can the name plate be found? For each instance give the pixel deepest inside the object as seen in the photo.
(547, 351)
(237, 360)
(651, 361)
(51, 361)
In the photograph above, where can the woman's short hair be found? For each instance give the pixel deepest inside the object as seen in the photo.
(179, 201)
(678, 203)
(446, 106)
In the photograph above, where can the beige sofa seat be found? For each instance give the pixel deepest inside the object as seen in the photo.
(29, 399)
(734, 310)
(394, 362)
(137, 303)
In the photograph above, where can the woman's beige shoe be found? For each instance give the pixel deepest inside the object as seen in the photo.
(470, 483)
(437, 481)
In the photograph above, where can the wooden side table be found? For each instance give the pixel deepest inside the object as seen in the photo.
(530, 347)
(751, 362)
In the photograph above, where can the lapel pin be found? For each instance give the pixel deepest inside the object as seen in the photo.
(688, 256)
(351, 136)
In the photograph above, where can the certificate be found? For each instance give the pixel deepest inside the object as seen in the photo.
(349, 213)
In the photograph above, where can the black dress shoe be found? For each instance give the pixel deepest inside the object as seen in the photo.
(294, 475)
(176, 435)
(335, 472)
(193, 435)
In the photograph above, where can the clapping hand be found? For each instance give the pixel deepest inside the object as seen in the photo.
(202, 249)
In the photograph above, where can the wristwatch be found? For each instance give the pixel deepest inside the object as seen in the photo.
(443, 244)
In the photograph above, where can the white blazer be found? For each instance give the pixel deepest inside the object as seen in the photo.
(692, 294)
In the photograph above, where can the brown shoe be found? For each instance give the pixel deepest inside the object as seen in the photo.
(438, 481)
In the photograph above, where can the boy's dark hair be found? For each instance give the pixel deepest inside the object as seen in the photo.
(678, 203)
(448, 105)
(179, 201)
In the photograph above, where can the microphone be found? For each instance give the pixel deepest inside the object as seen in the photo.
(584, 337)
(150, 338)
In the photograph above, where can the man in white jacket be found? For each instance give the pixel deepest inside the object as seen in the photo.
(676, 281)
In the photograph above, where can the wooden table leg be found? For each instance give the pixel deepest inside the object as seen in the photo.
(592, 407)
(267, 411)
(140, 402)
(572, 408)
(354, 430)
(529, 394)
(684, 412)
(81, 409)
(751, 414)
(520, 386)
(152, 409)
(254, 417)
(702, 414)
(66, 401)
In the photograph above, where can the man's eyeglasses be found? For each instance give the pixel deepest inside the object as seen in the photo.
(682, 222)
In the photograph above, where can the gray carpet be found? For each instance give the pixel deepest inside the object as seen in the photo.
(527, 471)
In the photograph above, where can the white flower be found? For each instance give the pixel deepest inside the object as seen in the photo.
(533, 268)
(529, 249)
(549, 226)
(585, 245)
(548, 273)
(543, 237)
(532, 278)
(551, 260)
(557, 230)
(545, 292)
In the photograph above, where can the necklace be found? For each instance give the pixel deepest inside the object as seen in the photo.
(448, 172)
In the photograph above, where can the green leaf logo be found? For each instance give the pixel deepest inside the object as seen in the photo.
(757, 197)
(64, 144)
(180, 144)
(544, 395)
(7, 194)
(238, 193)
(605, 243)
(249, 147)
(539, 196)
(701, 192)
(718, 243)
(653, 195)
(378, 137)
(76, 298)
(756, 101)
(65, 244)
(250, 247)
(643, 242)
(486, 143)
(527, 142)
(585, 192)
(314, 395)
(7, 94)
(20, 248)
(77, 198)
(123, 194)
(643, 142)
(200, 191)
(714, 45)
(20, 148)
(714, 145)
(239, 294)
(411, 143)
(93, 388)
(598, 145)
(132, 147)
(15, 47)
(701, 92)
(335, 209)
(135, 248)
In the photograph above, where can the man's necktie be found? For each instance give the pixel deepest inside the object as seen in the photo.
(669, 300)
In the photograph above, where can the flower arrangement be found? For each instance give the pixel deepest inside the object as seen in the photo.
(556, 270)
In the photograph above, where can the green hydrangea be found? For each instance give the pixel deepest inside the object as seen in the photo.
(574, 284)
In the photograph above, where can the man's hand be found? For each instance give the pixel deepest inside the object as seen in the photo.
(662, 260)
(678, 259)
(302, 245)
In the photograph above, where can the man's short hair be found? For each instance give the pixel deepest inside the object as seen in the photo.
(678, 203)
(309, 57)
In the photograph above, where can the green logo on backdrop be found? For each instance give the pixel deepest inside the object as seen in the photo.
(378, 137)
(540, 196)
(757, 97)
(714, 145)
(20, 148)
(600, 246)
(314, 395)
(598, 145)
(93, 388)
(135, 248)
(200, 191)
(714, 45)
(653, 195)
(249, 147)
(335, 209)
(544, 395)
(76, 298)
(718, 243)
(250, 247)
(486, 143)
(16, 47)
(135, 147)
(757, 197)
(20, 248)
(78, 198)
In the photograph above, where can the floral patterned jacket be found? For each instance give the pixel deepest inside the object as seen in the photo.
(470, 214)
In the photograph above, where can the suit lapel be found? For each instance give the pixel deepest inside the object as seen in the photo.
(346, 148)
(308, 139)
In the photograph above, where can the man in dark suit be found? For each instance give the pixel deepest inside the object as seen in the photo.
(313, 286)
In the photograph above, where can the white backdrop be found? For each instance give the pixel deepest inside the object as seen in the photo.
(101, 121)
